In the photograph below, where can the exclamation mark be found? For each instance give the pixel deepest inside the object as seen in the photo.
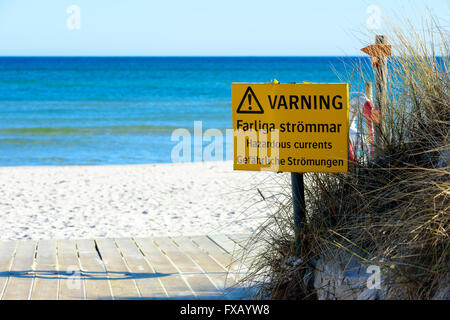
(249, 102)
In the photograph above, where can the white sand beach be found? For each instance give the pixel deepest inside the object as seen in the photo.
(131, 200)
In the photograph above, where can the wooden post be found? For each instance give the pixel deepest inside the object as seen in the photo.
(298, 201)
(380, 69)
(369, 91)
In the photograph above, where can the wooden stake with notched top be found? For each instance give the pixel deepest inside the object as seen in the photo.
(379, 52)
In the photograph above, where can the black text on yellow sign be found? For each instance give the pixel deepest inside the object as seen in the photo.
(290, 127)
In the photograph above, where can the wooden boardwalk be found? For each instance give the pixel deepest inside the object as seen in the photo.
(199, 267)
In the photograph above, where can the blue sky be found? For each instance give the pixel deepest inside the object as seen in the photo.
(199, 27)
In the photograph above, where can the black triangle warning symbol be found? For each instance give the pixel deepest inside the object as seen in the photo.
(250, 103)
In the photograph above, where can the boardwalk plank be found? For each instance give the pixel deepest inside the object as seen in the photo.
(170, 278)
(145, 276)
(202, 286)
(226, 243)
(21, 274)
(7, 250)
(71, 284)
(217, 273)
(94, 272)
(140, 268)
(240, 239)
(233, 248)
(251, 251)
(216, 252)
(234, 267)
(46, 274)
(246, 256)
(122, 283)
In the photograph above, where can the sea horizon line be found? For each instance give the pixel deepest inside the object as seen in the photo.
(180, 56)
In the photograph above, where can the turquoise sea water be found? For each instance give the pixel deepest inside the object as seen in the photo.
(67, 111)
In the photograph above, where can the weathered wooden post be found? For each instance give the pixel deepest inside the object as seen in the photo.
(380, 51)
(380, 69)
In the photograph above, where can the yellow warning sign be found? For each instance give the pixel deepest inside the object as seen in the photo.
(290, 127)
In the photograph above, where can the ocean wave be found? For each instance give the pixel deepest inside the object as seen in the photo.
(97, 130)
(23, 142)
